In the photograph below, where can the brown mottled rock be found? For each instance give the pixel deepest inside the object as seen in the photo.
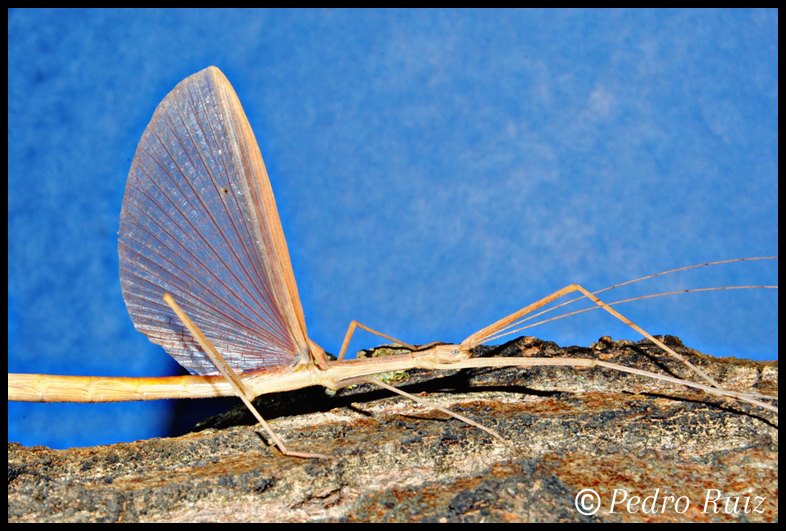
(392, 460)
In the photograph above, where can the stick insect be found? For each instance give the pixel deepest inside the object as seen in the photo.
(205, 273)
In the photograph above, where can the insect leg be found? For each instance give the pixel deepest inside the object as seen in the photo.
(426, 403)
(351, 330)
(481, 335)
(237, 384)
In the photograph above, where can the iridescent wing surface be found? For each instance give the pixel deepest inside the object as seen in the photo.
(199, 221)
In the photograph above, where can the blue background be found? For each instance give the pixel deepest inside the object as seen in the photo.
(434, 171)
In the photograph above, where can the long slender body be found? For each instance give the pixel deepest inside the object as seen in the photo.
(199, 226)
(52, 388)
(48, 388)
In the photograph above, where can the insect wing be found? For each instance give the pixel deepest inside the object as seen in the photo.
(199, 221)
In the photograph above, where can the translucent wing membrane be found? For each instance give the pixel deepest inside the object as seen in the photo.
(199, 221)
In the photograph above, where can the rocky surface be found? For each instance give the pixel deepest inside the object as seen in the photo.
(667, 453)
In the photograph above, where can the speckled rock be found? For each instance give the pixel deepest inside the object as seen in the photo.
(650, 451)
